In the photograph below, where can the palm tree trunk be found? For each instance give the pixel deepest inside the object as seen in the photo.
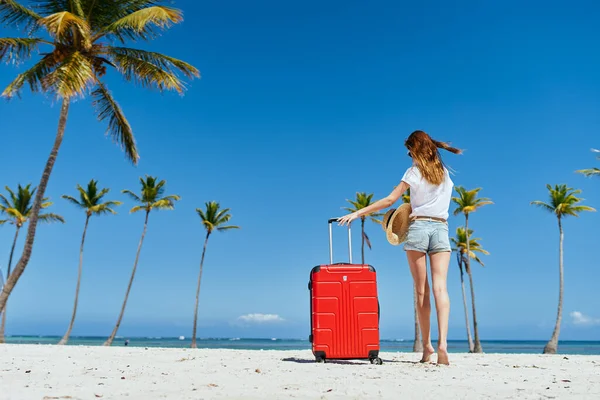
(198, 292)
(12, 251)
(464, 295)
(11, 281)
(137, 256)
(552, 345)
(477, 345)
(66, 337)
(417, 344)
(362, 248)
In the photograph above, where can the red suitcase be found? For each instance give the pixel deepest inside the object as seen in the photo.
(344, 309)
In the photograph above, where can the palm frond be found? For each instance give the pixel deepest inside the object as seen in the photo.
(589, 172)
(225, 228)
(172, 197)
(4, 200)
(17, 50)
(118, 126)
(222, 216)
(141, 23)
(201, 213)
(14, 14)
(73, 77)
(112, 203)
(104, 208)
(33, 76)
(3, 221)
(162, 61)
(575, 210)
(73, 200)
(367, 240)
(146, 73)
(76, 8)
(133, 196)
(51, 218)
(61, 26)
(45, 203)
(137, 208)
(164, 204)
(543, 205)
(16, 214)
(375, 220)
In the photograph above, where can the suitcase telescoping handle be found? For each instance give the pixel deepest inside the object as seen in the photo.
(331, 221)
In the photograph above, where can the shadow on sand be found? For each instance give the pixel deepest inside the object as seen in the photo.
(341, 362)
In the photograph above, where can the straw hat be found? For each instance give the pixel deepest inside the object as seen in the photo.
(395, 223)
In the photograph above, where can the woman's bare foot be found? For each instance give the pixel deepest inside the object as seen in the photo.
(443, 357)
(427, 352)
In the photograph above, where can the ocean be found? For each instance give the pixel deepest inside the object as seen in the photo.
(397, 345)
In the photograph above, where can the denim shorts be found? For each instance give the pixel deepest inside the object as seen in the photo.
(427, 236)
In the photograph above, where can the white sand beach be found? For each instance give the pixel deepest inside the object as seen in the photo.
(33, 372)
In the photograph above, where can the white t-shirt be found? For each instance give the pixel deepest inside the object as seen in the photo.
(427, 200)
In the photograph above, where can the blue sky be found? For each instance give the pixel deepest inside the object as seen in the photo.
(300, 105)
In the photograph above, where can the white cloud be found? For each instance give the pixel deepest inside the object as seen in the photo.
(260, 318)
(579, 318)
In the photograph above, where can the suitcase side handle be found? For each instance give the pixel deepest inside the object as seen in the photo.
(330, 221)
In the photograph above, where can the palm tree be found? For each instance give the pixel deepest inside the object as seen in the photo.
(18, 211)
(83, 38)
(90, 200)
(150, 199)
(467, 202)
(363, 200)
(417, 344)
(591, 171)
(460, 246)
(212, 219)
(563, 202)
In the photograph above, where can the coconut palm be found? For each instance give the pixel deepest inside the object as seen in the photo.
(460, 246)
(90, 200)
(18, 210)
(563, 202)
(363, 200)
(467, 203)
(150, 199)
(591, 171)
(212, 219)
(82, 38)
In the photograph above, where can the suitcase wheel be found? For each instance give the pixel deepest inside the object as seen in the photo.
(320, 360)
(377, 361)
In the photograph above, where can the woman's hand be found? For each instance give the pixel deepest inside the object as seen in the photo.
(347, 219)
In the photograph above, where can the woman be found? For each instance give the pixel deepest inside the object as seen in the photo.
(430, 192)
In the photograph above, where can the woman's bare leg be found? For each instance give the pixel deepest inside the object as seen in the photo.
(439, 274)
(418, 269)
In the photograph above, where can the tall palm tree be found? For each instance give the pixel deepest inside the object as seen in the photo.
(18, 211)
(563, 202)
(363, 200)
(467, 203)
(83, 38)
(212, 219)
(150, 199)
(591, 171)
(90, 200)
(460, 246)
(417, 343)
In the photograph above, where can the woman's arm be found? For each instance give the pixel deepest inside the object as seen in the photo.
(386, 202)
